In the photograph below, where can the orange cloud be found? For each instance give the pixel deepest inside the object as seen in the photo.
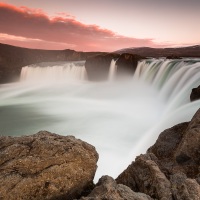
(60, 31)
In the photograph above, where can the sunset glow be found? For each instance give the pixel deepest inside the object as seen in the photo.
(99, 26)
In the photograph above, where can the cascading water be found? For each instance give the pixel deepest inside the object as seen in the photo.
(57, 72)
(120, 118)
(112, 70)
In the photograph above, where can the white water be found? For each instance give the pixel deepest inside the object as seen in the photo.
(58, 72)
(113, 69)
(121, 119)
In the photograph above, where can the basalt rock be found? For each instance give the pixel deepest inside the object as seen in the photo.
(108, 189)
(98, 67)
(127, 64)
(195, 94)
(45, 166)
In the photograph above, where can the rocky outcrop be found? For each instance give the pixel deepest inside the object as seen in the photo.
(184, 188)
(108, 189)
(45, 166)
(195, 94)
(12, 59)
(98, 67)
(146, 177)
(127, 64)
(171, 167)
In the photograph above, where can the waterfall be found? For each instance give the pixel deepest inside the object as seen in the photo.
(53, 72)
(120, 118)
(112, 70)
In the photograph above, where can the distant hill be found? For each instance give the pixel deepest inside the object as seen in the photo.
(191, 51)
(12, 59)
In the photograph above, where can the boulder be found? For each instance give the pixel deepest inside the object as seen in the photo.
(188, 152)
(98, 67)
(195, 94)
(108, 189)
(146, 177)
(45, 166)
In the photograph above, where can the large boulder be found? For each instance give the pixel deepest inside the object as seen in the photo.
(195, 94)
(45, 166)
(98, 67)
(188, 152)
(108, 189)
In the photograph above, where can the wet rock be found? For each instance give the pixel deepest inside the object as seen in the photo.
(184, 188)
(147, 178)
(98, 67)
(195, 94)
(45, 166)
(108, 189)
(127, 64)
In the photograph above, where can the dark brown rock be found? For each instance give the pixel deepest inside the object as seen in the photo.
(45, 166)
(184, 188)
(147, 178)
(195, 94)
(108, 189)
(127, 64)
(188, 151)
(98, 67)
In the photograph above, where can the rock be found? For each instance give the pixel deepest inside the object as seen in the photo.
(184, 188)
(127, 64)
(108, 189)
(146, 177)
(165, 147)
(98, 67)
(173, 57)
(188, 151)
(171, 167)
(195, 94)
(45, 166)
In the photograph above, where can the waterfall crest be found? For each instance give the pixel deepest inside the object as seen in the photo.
(53, 72)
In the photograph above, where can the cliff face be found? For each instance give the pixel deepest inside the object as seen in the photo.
(12, 59)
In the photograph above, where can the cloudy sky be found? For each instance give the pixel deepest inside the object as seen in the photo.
(94, 25)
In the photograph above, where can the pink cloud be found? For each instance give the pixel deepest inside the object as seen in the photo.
(60, 32)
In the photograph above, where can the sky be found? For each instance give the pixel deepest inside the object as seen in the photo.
(94, 25)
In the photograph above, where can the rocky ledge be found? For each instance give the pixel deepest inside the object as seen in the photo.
(49, 166)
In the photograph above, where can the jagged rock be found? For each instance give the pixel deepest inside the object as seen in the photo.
(45, 166)
(184, 188)
(146, 177)
(127, 64)
(98, 67)
(108, 189)
(195, 94)
(188, 151)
